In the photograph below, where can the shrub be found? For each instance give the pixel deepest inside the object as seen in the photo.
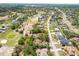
(21, 41)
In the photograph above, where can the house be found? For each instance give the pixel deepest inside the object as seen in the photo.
(27, 28)
(64, 41)
(1, 31)
(70, 50)
(3, 28)
(42, 52)
(56, 29)
(16, 22)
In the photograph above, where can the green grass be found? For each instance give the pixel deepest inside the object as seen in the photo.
(50, 53)
(60, 29)
(11, 36)
(54, 38)
(51, 27)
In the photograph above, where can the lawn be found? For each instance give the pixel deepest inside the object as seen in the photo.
(52, 27)
(11, 36)
(7, 23)
(32, 21)
(54, 38)
(58, 45)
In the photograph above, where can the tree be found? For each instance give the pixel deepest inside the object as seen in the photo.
(14, 54)
(50, 53)
(29, 50)
(14, 25)
(0, 45)
(26, 51)
(30, 47)
(44, 37)
(17, 50)
(21, 41)
(37, 30)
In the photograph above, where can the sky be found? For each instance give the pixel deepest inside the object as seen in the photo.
(42, 1)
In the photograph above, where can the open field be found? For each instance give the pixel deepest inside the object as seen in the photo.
(11, 36)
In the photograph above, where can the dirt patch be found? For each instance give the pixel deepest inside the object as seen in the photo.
(6, 51)
(3, 41)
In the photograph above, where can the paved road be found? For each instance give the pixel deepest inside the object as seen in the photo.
(67, 22)
(50, 38)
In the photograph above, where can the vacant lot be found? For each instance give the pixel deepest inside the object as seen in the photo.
(11, 36)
